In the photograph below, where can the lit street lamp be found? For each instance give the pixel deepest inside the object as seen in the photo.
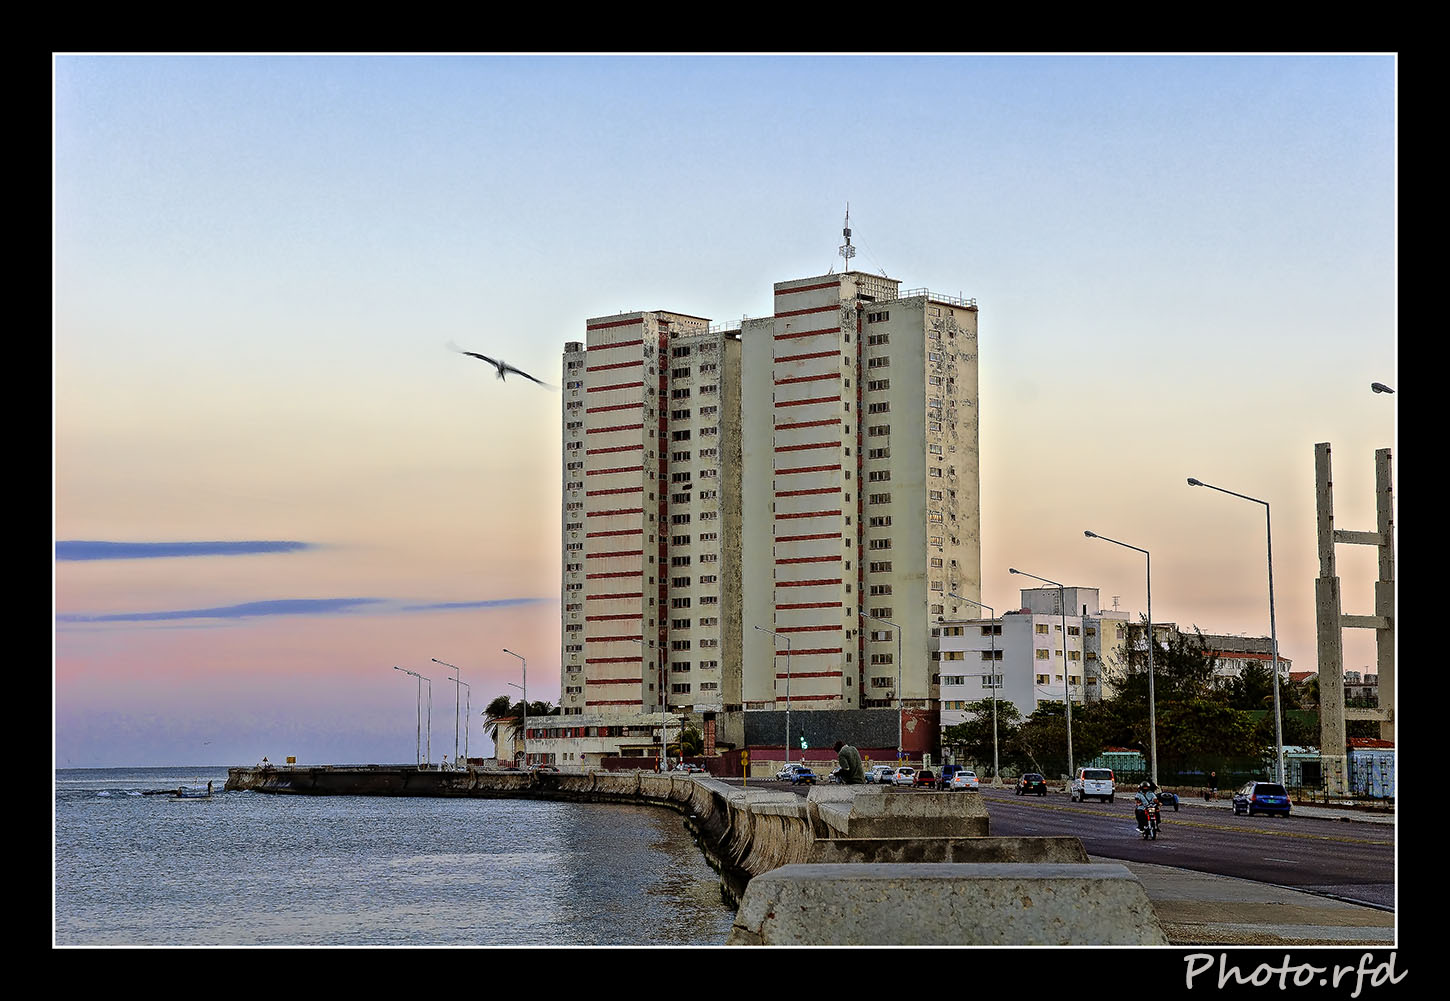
(1273, 634)
(525, 690)
(900, 708)
(992, 627)
(1066, 671)
(787, 685)
(1152, 706)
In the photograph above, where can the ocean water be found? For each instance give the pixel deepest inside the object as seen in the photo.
(252, 869)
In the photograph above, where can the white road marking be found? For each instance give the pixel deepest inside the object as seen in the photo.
(1287, 861)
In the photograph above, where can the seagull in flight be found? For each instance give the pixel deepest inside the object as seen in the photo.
(503, 367)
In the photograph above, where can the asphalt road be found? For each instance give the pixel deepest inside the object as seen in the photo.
(1350, 861)
(1341, 859)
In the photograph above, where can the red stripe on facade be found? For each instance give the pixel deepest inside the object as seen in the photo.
(809, 604)
(612, 555)
(807, 288)
(805, 357)
(619, 406)
(613, 469)
(808, 559)
(612, 702)
(615, 323)
(809, 629)
(618, 510)
(812, 674)
(615, 427)
(806, 469)
(622, 531)
(824, 649)
(615, 385)
(808, 424)
(614, 490)
(613, 597)
(806, 403)
(807, 333)
(623, 573)
(611, 618)
(808, 514)
(803, 493)
(618, 364)
(802, 448)
(807, 378)
(612, 681)
(803, 538)
(812, 309)
(614, 448)
(808, 583)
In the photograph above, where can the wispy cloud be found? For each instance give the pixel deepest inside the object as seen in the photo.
(250, 609)
(296, 606)
(79, 549)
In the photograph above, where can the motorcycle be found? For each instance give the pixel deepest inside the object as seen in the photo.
(1151, 822)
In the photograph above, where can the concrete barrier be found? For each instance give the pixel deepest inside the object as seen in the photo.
(946, 904)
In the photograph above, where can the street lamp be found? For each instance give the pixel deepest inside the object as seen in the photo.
(900, 709)
(1152, 706)
(457, 681)
(664, 720)
(418, 752)
(1380, 387)
(1066, 671)
(1273, 634)
(525, 690)
(787, 685)
(996, 772)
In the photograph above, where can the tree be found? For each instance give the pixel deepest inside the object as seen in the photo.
(501, 711)
(1042, 737)
(973, 736)
(690, 743)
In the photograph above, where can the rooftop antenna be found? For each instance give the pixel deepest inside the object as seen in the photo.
(1115, 602)
(847, 251)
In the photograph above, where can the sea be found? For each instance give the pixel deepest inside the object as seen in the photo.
(258, 869)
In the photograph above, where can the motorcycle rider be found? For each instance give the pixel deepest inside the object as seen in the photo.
(1145, 798)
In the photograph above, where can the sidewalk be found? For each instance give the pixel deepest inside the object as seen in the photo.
(1198, 908)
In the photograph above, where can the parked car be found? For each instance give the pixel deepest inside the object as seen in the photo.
(1168, 799)
(965, 778)
(789, 773)
(1033, 783)
(1262, 797)
(881, 774)
(1094, 782)
(688, 768)
(803, 774)
(903, 776)
(924, 778)
(944, 777)
(547, 769)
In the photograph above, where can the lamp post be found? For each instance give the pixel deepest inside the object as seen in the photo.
(664, 720)
(1152, 706)
(787, 685)
(525, 690)
(1273, 634)
(1066, 671)
(418, 752)
(900, 709)
(467, 715)
(1380, 387)
(996, 772)
(457, 682)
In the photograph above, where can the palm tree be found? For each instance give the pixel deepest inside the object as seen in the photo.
(501, 710)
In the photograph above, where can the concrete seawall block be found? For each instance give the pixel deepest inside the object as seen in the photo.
(946, 904)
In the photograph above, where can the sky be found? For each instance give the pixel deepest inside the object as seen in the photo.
(273, 482)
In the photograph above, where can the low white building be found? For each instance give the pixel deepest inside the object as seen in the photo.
(581, 741)
(1034, 661)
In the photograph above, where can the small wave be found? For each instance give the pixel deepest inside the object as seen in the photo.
(103, 792)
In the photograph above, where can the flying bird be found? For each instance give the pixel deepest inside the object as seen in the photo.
(503, 367)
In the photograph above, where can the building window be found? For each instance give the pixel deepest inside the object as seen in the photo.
(1041, 654)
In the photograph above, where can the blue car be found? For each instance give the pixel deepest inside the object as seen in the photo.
(1262, 797)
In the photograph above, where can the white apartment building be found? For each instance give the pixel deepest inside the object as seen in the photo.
(1035, 660)
(651, 518)
(859, 450)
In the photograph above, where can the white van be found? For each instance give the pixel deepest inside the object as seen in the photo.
(1096, 782)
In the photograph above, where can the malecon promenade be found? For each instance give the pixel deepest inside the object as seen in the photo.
(848, 865)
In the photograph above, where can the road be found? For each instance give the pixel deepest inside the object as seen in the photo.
(1346, 860)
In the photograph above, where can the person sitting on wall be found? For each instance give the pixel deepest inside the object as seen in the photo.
(852, 772)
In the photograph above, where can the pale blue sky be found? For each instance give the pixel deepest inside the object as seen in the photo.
(1186, 266)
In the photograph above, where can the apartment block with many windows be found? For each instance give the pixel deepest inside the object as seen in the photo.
(651, 516)
(859, 448)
